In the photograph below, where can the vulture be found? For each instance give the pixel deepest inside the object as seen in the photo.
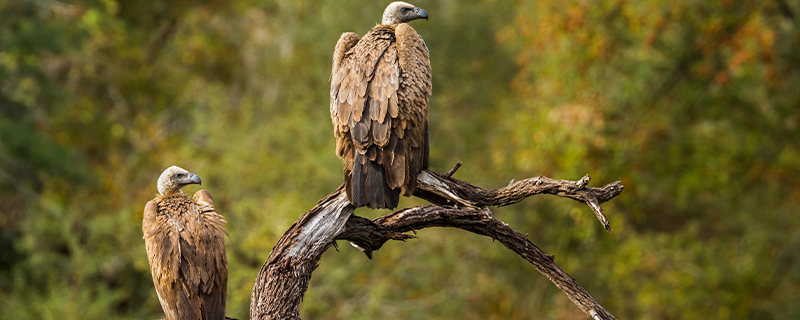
(184, 238)
(380, 86)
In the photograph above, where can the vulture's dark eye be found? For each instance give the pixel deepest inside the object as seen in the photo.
(405, 9)
(180, 175)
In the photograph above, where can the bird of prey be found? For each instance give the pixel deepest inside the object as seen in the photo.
(380, 87)
(185, 245)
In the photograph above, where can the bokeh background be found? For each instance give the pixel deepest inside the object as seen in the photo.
(693, 104)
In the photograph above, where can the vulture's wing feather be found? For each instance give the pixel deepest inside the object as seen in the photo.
(163, 253)
(214, 280)
(346, 41)
(344, 144)
(413, 95)
(361, 86)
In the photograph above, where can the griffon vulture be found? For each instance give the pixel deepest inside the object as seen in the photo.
(185, 245)
(380, 86)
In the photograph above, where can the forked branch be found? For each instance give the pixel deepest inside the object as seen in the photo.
(284, 278)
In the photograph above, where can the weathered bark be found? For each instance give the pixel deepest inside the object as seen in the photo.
(444, 190)
(284, 278)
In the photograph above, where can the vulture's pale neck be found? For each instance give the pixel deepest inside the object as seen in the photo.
(170, 192)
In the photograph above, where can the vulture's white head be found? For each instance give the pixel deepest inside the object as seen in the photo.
(399, 12)
(174, 178)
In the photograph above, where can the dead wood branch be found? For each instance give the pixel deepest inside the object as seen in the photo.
(284, 278)
(443, 190)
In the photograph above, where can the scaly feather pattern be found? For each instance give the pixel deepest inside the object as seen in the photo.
(380, 89)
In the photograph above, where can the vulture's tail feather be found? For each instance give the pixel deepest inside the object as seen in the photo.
(369, 185)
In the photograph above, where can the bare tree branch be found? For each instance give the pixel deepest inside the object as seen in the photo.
(284, 278)
(443, 190)
(478, 221)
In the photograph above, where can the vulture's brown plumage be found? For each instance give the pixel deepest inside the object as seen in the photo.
(380, 85)
(185, 245)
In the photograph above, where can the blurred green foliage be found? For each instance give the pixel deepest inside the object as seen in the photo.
(694, 105)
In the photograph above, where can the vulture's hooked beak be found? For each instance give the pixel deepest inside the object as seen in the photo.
(421, 13)
(192, 178)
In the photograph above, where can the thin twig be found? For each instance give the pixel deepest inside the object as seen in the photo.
(453, 170)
